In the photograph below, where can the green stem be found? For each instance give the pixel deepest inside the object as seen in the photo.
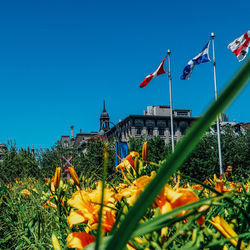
(99, 229)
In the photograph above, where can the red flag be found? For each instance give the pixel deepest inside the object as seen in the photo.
(240, 46)
(158, 72)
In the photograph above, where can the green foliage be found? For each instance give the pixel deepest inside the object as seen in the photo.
(135, 144)
(21, 163)
(90, 164)
(203, 162)
(24, 223)
(50, 159)
(18, 163)
(157, 150)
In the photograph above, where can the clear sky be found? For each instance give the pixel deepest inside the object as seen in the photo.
(60, 59)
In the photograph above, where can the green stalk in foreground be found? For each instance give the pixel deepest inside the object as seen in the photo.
(99, 229)
(182, 151)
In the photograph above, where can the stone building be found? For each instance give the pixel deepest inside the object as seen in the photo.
(154, 122)
(80, 140)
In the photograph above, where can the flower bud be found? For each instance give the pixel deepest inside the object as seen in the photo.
(74, 176)
(55, 242)
(57, 178)
(145, 151)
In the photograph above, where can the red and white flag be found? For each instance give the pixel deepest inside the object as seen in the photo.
(158, 72)
(240, 46)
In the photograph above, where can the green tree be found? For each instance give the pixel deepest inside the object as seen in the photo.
(92, 162)
(18, 163)
(157, 150)
(50, 159)
(135, 144)
(236, 151)
(235, 148)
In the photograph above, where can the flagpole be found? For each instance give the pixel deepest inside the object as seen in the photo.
(218, 122)
(170, 100)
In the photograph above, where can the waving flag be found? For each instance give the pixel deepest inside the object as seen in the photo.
(202, 57)
(240, 46)
(158, 72)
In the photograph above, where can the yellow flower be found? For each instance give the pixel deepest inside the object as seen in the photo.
(145, 151)
(75, 217)
(187, 196)
(79, 240)
(128, 161)
(25, 192)
(226, 230)
(57, 178)
(170, 199)
(55, 242)
(135, 189)
(74, 176)
(87, 204)
(126, 164)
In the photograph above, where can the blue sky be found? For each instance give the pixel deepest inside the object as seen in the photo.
(60, 59)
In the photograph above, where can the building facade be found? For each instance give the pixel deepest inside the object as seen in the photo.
(81, 139)
(154, 122)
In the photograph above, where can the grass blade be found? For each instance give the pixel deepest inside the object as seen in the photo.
(99, 229)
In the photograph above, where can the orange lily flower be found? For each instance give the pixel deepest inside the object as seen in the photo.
(126, 164)
(128, 161)
(25, 192)
(226, 230)
(135, 189)
(87, 204)
(169, 199)
(79, 240)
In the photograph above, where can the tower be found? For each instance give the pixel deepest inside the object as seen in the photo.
(104, 120)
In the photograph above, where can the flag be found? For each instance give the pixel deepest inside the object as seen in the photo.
(240, 46)
(121, 151)
(158, 72)
(202, 57)
(124, 149)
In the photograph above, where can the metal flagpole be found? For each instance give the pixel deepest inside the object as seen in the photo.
(170, 99)
(218, 122)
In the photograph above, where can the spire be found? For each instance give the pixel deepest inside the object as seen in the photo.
(104, 110)
(104, 119)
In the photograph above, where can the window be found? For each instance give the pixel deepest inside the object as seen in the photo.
(138, 131)
(66, 143)
(150, 131)
(183, 130)
(182, 113)
(161, 131)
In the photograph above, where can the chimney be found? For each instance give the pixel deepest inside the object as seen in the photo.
(32, 149)
(72, 131)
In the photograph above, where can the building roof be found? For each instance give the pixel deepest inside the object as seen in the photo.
(104, 112)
